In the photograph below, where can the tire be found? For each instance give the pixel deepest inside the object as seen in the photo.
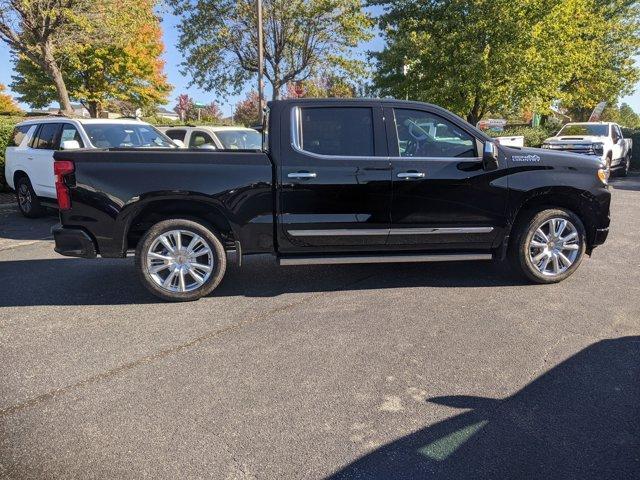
(190, 280)
(529, 258)
(28, 202)
(627, 165)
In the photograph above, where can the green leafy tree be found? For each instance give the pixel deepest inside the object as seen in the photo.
(624, 115)
(34, 29)
(120, 69)
(219, 38)
(479, 56)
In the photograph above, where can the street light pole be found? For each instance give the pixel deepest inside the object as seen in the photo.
(260, 59)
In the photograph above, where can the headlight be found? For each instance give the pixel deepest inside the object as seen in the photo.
(598, 148)
(603, 175)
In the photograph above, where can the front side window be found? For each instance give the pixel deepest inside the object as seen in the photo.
(337, 131)
(47, 137)
(201, 140)
(69, 132)
(119, 135)
(424, 134)
(18, 135)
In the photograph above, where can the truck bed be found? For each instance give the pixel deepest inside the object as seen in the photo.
(116, 191)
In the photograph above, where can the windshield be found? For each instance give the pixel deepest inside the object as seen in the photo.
(596, 130)
(240, 139)
(125, 135)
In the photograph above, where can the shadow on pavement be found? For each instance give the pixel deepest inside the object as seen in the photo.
(13, 226)
(632, 182)
(68, 281)
(581, 419)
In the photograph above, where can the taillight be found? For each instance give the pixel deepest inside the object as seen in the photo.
(60, 169)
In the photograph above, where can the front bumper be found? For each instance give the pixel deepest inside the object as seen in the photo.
(73, 242)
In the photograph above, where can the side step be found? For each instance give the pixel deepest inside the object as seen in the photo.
(396, 258)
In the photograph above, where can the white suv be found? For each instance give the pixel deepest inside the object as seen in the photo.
(29, 156)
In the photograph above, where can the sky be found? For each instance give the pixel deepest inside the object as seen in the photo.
(173, 57)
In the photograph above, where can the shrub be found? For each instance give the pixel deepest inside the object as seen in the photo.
(7, 125)
(533, 136)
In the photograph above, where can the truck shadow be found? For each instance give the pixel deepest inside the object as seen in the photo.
(581, 419)
(66, 281)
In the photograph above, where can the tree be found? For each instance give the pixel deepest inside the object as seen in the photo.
(184, 107)
(211, 113)
(246, 111)
(122, 68)
(623, 115)
(320, 87)
(219, 38)
(34, 28)
(476, 56)
(8, 106)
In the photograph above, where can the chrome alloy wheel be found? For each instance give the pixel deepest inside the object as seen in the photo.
(180, 261)
(554, 246)
(24, 197)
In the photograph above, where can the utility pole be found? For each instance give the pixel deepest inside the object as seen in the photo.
(260, 60)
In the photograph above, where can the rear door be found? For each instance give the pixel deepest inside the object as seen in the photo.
(442, 196)
(40, 153)
(334, 176)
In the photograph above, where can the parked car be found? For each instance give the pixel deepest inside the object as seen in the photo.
(215, 138)
(600, 139)
(29, 156)
(341, 181)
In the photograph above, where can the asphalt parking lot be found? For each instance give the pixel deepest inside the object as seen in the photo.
(357, 371)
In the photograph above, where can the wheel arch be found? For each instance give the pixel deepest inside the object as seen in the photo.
(570, 200)
(17, 174)
(138, 220)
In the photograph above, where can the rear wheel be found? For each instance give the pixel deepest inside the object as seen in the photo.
(180, 260)
(548, 245)
(28, 202)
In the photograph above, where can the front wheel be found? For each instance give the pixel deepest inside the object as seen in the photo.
(549, 245)
(180, 260)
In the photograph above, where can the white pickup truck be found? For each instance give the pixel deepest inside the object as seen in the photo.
(601, 139)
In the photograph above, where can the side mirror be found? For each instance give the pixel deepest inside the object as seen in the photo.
(70, 145)
(179, 143)
(490, 156)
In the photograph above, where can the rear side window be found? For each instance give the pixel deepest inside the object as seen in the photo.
(337, 131)
(47, 137)
(176, 134)
(18, 135)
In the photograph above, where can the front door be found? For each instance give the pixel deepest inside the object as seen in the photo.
(442, 196)
(335, 179)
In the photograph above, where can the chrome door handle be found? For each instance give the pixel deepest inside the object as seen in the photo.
(302, 175)
(411, 175)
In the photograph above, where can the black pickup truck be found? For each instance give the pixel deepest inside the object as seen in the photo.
(337, 181)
